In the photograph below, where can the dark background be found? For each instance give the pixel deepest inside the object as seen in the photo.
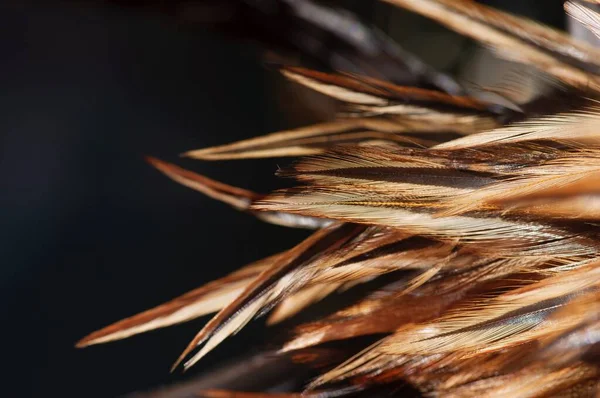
(90, 232)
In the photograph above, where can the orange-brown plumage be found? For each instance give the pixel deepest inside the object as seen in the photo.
(482, 215)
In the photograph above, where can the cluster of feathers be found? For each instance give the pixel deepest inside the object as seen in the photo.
(476, 211)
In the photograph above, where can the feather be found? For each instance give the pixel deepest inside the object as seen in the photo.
(586, 16)
(488, 325)
(469, 21)
(238, 198)
(579, 126)
(409, 102)
(421, 176)
(494, 234)
(578, 380)
(529, 31)
(578, 342)
(204, 300)
(521, 89)
(315, 139)
(557, 174)
(479, 206)
(348, 162)
(409, 253)
(387, 310)
(364, 90)
(295, 303)
(355, 256)
(259, 292)
(572, 197)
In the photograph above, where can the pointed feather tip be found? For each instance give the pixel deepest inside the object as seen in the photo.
(104, 335)
(157, 163)
(194, 359)
(152, 160)
(200, 338)
(99, 336)
(190, 347)
(301, 341)
(84, 342)
(200, 154)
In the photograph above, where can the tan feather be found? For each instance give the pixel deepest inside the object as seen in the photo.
(204, 300)
(369, 91)
(580, 126)
(316, 138)
(589, 18)
(336, 163)
(578, 199)
(506, 44)
(494, 234)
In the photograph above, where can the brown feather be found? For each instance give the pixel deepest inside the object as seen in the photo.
(238, 198)
(204, 300)
(481, 209)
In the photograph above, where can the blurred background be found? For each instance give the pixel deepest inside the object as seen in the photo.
(91, 233)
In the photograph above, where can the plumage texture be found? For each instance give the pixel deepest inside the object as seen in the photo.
(481, 216)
